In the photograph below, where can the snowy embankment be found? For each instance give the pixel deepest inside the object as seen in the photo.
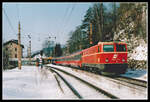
(31, 83)
(140, 53)
(140, 74)
(137, 46)
(137, 58)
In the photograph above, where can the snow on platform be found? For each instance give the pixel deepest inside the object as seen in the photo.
(31, 83)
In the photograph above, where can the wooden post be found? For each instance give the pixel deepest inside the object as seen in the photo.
(19, 49)
(91, 33)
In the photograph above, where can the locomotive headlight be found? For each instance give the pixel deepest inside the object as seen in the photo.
(123, 60)
(106, 59)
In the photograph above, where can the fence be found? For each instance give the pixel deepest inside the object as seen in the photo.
(25, 61)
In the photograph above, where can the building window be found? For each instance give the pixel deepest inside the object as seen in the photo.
(15, 49)
(15, 55)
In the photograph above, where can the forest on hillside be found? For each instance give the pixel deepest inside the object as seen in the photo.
(121, 22)
(124, 19)
(125, 22)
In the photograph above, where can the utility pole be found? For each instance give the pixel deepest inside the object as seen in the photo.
(29, 49)
(19, 49)
(91, 33)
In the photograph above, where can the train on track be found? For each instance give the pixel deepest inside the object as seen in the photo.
(110, 57)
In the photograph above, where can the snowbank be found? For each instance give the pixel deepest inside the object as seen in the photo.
(140, 74)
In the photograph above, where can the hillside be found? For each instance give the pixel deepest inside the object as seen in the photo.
(132, 29)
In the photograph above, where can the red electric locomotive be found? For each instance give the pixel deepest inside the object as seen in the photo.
(110, 57)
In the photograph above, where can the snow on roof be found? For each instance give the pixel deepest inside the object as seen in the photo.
(13, 41)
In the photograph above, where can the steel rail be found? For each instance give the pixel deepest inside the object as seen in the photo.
(137, 82)
(89, 84)
(69, 85)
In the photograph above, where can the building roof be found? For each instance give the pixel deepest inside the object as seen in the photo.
(13, 41)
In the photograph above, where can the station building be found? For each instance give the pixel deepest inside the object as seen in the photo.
(11, 47)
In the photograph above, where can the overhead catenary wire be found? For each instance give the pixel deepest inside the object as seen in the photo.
(66, 20)
(61, 22)
(9, 22)
(18, 11)
(69, 17)
(67, 9)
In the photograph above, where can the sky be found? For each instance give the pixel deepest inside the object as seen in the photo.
(41, 20)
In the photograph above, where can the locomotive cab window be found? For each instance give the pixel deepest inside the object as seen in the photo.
(98, 48)
(120, 48)
(108, 48)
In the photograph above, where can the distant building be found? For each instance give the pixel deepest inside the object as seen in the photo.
(11, 47)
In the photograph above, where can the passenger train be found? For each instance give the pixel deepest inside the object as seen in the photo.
(110, 57)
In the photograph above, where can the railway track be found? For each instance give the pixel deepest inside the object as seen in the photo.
(129, 80)
(124, 87)
(137, 82)
(77, 93)
(68, 84)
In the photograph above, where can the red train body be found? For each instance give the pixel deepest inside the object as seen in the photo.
(106, 56)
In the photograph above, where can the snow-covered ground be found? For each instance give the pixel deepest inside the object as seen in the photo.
(32, 83)
(137, 74)
(123, 91)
